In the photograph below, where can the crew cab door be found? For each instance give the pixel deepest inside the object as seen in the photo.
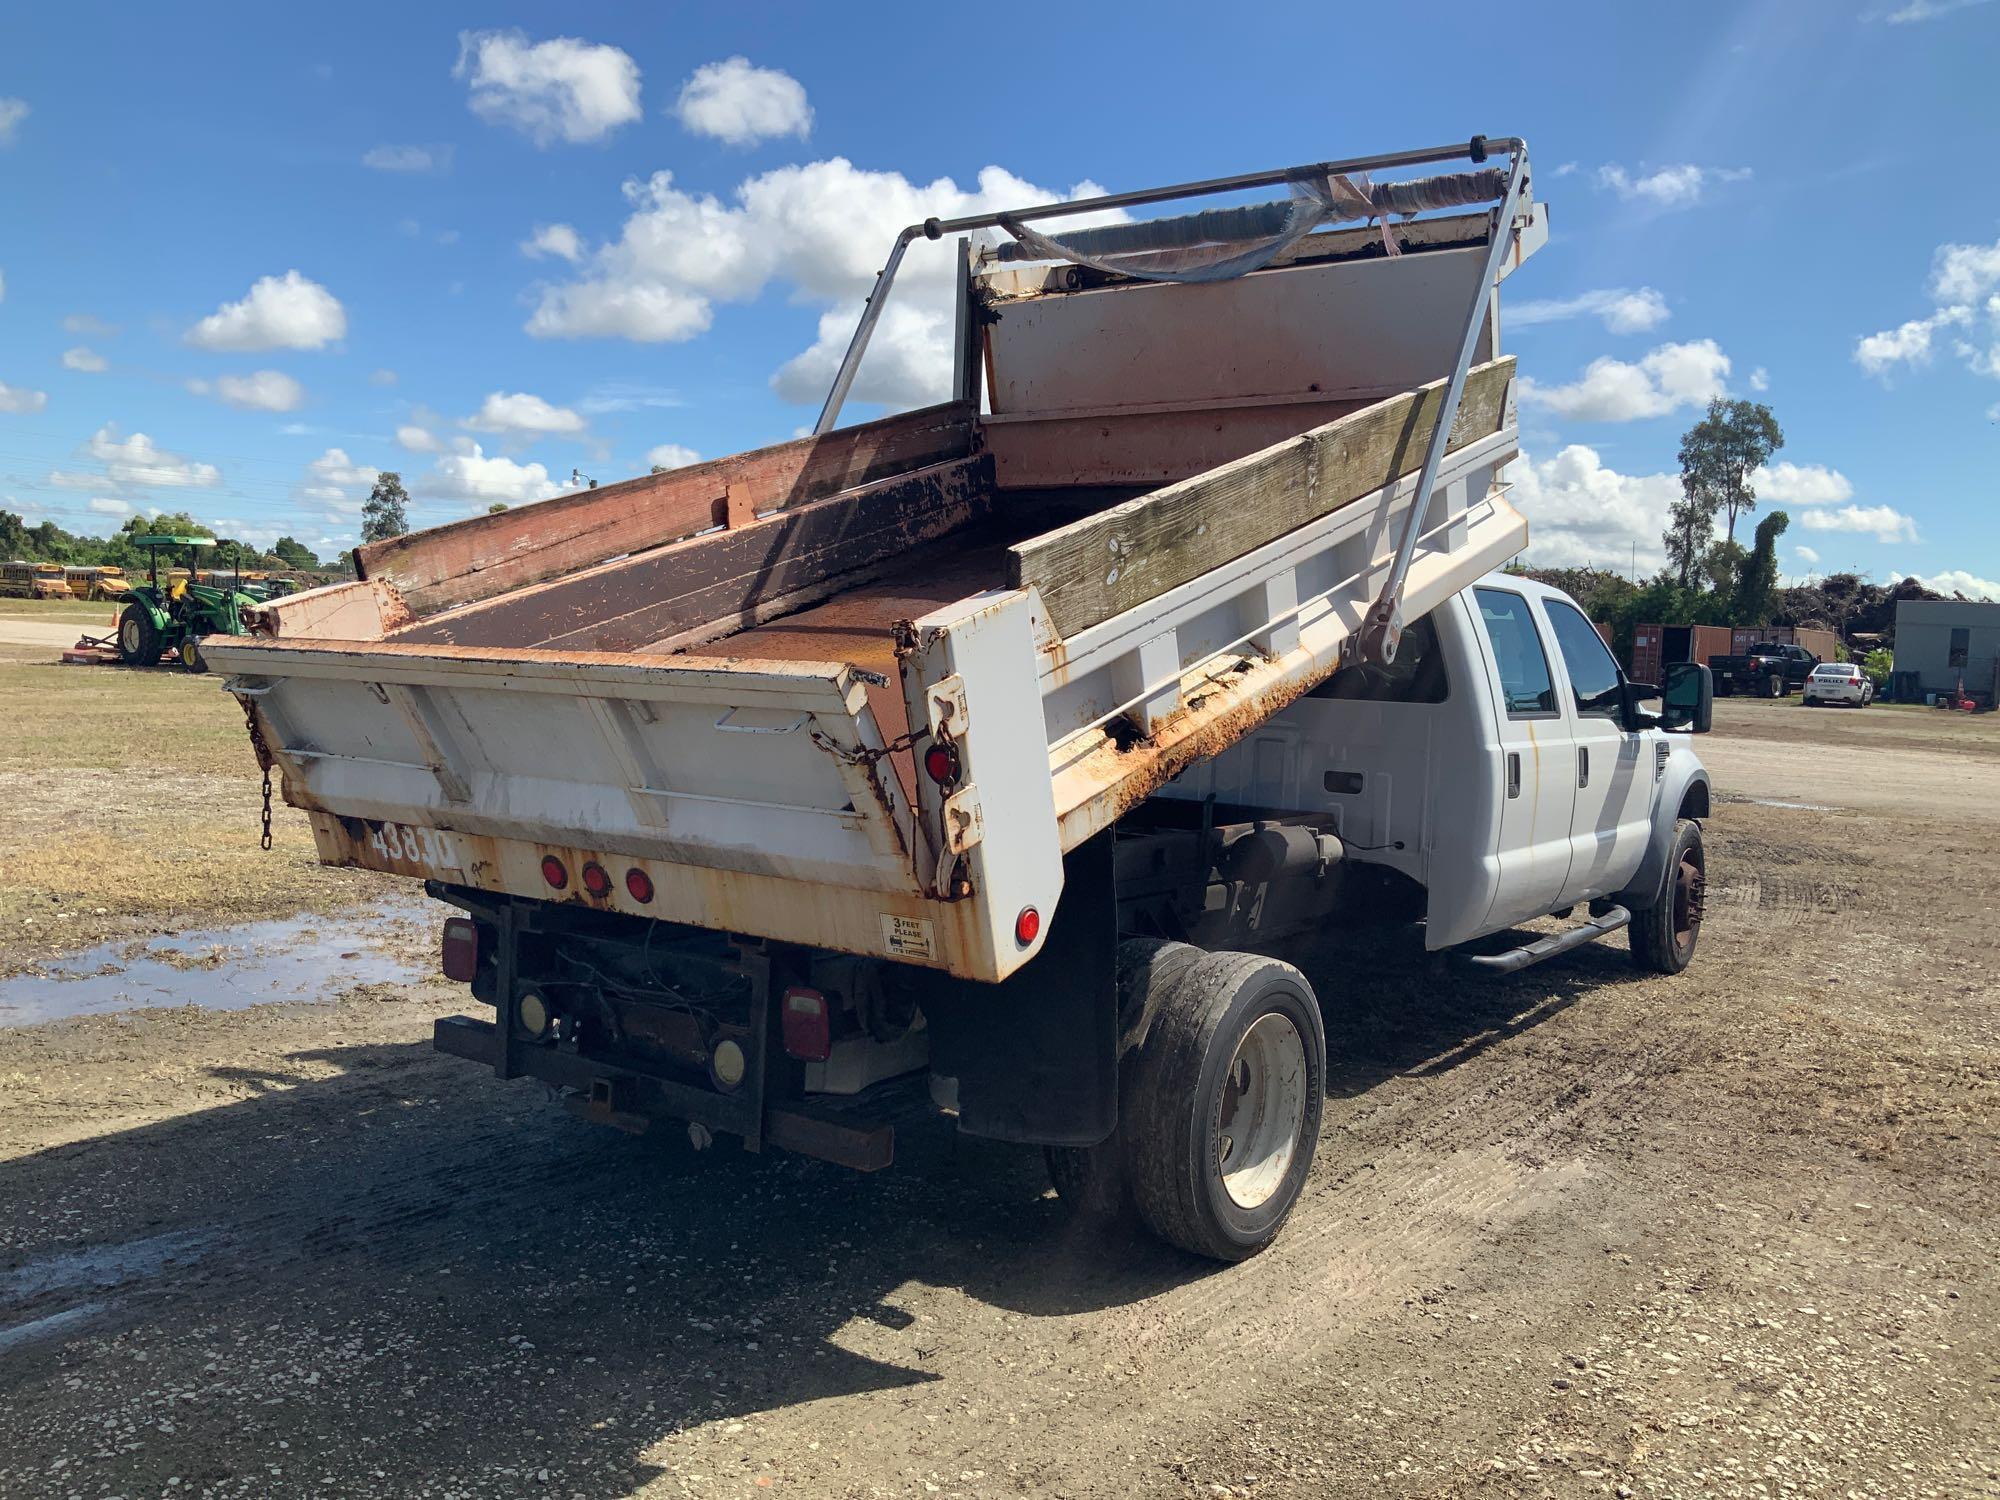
(1536, 760)
(1611, 819)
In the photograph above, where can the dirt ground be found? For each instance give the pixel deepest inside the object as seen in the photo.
(1580, 1232)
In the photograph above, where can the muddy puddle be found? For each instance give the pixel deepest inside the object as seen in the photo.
(227, 968)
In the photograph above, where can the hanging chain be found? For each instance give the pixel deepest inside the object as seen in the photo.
(263, 764)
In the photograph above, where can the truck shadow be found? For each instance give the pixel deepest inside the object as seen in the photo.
(378, 1228)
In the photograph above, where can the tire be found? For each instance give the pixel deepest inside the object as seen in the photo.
(138, 637)
(1776, 687)
(1664, 934)
(1232, 1068)
(1092, 1181)
(189, 652)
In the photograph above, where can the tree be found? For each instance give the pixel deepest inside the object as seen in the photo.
(1690, 523)
(496, 507)
(1757, 580)
(383, 513)
(1720, 453)
(294, 554)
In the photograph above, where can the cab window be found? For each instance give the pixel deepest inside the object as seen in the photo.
(1525, 687)
(1593, 675)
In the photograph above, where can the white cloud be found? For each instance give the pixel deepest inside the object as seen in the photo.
(410, 158)
(523, 415)
(1583, 514)
(287, 312)
(672, 456)
(742, 105)
(558, 240)
(1883, 522)
(89, 325)
(1807, 556)
(564, 89)
(139, 463)
(1680, 186)
(418, 439)
(1787, 483)
(627, 395)
(1621, 310)
(382, 377)
(1928, 10)
(260, 390)
(20, 401)
(336, 485)
(1879, 353)
(106, 506)
(12, 113)
(89, 361)
(1611, 390)
(1964, 273)
(822, 229)
(1958, 581)
(472, 476)
(1760, 379)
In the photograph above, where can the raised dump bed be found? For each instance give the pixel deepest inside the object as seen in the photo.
(865, 689)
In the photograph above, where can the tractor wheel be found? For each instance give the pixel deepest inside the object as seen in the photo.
(138, 637)
(190, 654)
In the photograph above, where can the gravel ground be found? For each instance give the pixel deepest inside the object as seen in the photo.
(1580, 1232)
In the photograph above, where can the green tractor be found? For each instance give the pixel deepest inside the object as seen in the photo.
(171, 618)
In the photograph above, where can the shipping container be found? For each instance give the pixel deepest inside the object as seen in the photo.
(1657, 647)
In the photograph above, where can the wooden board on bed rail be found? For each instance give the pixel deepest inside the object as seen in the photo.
(1116, 560)
(446, 566)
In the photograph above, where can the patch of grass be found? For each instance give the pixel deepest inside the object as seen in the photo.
(139, 723)
(104, 611)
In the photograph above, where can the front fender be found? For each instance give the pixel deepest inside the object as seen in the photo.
(1684, 793)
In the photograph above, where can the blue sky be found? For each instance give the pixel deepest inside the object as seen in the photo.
(251, 255)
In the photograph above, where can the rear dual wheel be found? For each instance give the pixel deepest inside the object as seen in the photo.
(1220, 1102)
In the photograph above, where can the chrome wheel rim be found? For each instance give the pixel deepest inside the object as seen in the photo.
(1263, 1108)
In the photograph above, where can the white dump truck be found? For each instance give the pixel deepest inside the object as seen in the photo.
(1004, 748)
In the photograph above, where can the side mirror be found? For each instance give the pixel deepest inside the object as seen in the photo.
(1688, 698)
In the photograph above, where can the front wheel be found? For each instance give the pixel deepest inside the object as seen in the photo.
(190, 654)
(138, 637)
(1222, 1108)
(1664, 934)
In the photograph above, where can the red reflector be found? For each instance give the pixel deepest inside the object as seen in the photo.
(1027, 926)
(596, 881)
(941, 764)
(808, 1025)
(461, 949)
(638, 884)
(553, 872)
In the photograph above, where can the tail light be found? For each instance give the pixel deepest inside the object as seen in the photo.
(596, 881)
(807, 1024)
(460, 955)
(1027, 926)
(554, 872)
(941, 763)
(638, 885)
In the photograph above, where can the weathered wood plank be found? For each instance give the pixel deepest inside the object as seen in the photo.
(475, 559)
(624, 605)
(1118, 559)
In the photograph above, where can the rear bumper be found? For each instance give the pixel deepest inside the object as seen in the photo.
(633, 1100)
(1817, 694)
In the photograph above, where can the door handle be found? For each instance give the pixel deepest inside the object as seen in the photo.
(1513, 773)
(1583, 765)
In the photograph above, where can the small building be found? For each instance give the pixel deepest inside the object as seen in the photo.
(1949, 641)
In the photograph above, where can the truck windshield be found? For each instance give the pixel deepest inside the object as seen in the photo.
(1517, 654)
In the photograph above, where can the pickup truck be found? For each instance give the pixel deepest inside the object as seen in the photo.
(1004, 750)
(1770, 670)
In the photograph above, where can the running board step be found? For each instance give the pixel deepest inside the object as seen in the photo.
(1560, 942)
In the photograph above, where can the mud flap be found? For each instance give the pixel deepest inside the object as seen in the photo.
(1036, 1056)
